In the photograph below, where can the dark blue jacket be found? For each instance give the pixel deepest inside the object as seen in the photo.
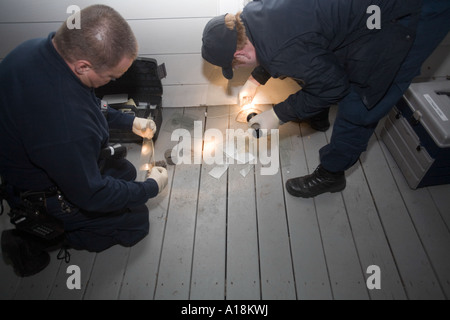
(52, 131)
(327, 47)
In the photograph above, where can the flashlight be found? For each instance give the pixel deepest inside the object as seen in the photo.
(116, 151)
(255, 126)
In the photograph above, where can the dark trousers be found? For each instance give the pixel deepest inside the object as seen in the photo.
(355, 124)
(95, 231)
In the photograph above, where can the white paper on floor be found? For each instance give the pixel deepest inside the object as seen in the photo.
(218, 171)
(238, 153)
(241, 151)
(246, 170)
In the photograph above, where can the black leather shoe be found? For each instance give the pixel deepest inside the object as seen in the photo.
(320, 122)
(27, 258)
(320, 181)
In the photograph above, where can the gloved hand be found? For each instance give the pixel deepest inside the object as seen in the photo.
(145, 128)
(248, 91)
(265, 120)
(159, 174)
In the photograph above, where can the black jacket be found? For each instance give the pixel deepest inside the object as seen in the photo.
(52, 131)
(327, 47)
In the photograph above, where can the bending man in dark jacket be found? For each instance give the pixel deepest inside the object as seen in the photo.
(360, 54)
(52, 132)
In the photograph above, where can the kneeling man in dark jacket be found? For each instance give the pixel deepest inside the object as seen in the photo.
(52, 136)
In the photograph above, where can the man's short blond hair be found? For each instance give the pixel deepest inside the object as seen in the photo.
(104, 38)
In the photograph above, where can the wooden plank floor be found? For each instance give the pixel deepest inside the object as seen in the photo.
(244, 237)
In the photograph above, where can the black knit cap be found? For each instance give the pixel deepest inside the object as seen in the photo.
(219, 45)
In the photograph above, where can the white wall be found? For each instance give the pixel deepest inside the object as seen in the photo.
(169, 31)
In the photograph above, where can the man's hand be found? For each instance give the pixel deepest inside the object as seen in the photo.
(267, 120)
(248, 91)
(159, 174)
(145, 128)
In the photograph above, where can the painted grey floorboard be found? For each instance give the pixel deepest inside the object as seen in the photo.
(174, 273)
(209, 253)
(243, 272)
(310, 269)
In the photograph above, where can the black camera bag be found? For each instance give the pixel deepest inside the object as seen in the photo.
(142, 83)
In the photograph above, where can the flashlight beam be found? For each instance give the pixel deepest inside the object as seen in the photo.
(147, 160)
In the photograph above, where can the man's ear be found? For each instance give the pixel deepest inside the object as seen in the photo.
(246, 54)
(81, 67)
(242, 57)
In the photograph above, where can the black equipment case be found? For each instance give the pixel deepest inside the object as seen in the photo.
(417, 134)
(142, 83)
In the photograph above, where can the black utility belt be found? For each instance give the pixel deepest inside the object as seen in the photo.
(38, 196)
(49, 192)
(32, 215)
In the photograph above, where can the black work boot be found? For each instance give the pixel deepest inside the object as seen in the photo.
(27, 258)
(320, 121)
(320, 181)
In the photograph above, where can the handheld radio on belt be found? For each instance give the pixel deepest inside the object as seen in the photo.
(31, 215)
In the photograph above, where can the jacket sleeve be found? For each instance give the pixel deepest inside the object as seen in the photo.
(119, 120)
(317, 70)
(73, 167)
